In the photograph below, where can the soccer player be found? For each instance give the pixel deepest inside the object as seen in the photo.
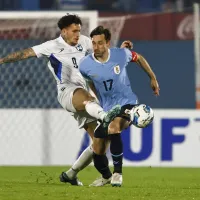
(63, 55)
(105, 70)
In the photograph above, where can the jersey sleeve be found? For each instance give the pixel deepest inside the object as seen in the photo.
(44, 49)
(131, 56)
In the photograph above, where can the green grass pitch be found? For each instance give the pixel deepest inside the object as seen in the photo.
(41, 183)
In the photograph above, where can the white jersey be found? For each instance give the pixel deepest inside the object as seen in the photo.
(64, 59)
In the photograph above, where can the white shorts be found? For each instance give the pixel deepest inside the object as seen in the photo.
(65, 94)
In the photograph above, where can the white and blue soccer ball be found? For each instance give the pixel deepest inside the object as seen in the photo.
(141, 115)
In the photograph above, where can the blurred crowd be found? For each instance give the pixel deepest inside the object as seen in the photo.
(135, 6)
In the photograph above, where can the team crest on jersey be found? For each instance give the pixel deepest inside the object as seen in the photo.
(79, 47)
(117, 69)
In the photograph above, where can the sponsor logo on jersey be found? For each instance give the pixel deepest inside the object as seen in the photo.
(117, 69)
(62, 49)
(79, 47)
(63, 88)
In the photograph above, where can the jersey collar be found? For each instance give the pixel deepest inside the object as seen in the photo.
(98, 60)
(65, 43)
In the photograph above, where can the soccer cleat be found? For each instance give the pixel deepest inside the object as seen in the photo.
(65, 179)
(100, 182)
(111, 114)
(116, 180)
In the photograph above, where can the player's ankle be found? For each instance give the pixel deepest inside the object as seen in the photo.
(107, 176)
(72, 173)
(118, 170)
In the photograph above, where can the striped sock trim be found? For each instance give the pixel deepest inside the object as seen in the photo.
(116, 155)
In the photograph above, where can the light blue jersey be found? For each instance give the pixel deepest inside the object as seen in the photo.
(110, 78)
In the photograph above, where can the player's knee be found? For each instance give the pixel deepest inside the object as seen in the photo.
(114, 128)
(85, 96)
(80, 98)
(99, 146)
(89, 100)
(99, 150)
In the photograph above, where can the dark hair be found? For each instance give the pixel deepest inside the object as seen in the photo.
(67, 20)
(99, 30)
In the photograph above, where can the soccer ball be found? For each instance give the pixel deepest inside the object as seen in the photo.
(141, 115)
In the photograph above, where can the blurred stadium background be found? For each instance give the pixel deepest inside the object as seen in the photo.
(35, 130)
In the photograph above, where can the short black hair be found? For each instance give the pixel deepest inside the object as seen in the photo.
(67, 20)
(99, 30)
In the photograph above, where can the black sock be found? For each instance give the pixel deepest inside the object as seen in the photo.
(116, 150)
(101, 164)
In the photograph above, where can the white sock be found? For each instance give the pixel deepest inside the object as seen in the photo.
(83, 161)
(95, 110)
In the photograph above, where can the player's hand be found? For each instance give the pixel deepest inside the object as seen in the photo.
(127, 44)
(155, 86)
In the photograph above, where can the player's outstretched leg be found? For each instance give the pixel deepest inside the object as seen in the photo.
(111, 114)
(65, 179)
(83, 161)
(116, 180)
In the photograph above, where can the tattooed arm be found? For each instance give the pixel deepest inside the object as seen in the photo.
(141, 61)
(19, 55)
